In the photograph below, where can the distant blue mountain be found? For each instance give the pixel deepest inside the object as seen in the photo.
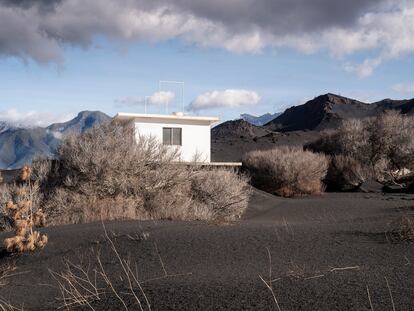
(18, 146)
(261, 120)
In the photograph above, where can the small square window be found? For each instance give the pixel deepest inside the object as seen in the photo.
(166, 135)
(172, 136)
(176, 136)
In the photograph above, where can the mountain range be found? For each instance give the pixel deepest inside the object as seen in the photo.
(19, 145)
(297, 125)
(327, 111)
(259, 120)
(229, 140)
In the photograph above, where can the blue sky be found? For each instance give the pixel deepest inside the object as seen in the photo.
(111, 73)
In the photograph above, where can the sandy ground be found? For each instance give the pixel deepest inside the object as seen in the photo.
(325, 253)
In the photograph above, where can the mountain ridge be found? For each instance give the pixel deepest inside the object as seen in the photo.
(20, 145)
(328, 110)
(297, 125)
(259, 120)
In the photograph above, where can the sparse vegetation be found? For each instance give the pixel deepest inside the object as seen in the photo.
(105, 175)
(383, 147)
(224, 191)
(7, 271)
(91, 286)
(406, 230)
(345, 173)
(22, 215)
(287, 171)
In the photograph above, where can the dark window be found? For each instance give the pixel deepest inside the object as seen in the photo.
(171, 136)
(166, 135)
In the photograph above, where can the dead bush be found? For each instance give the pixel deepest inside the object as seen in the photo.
(392, 137)
(406, 230)
(109, 173)
(6, 222)
(287, 171)
(67, 206)
(327, 143)
(345, 173)
(402, 229)
(223, 192)
(383, 145)
(24, 216)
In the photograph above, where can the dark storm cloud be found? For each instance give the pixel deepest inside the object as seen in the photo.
(280, 15)
(25, 4)
(38, 29)
(275, 15)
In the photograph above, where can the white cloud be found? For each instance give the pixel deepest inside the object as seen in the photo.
(129, 101)
(157, 99)
(32, 118)
(161, 98)
(365, 69)
(228, 98)
(404, 87)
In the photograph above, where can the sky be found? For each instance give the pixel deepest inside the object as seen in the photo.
(59, 57)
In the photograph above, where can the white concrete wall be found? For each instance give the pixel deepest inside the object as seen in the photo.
(195, 137)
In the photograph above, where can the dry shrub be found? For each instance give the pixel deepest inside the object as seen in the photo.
(20, 209)
(383, 146)
(110, 173)
(69, 207)
(345, 173)
(401, 229)
(224, 192)
(287, 171)
(392, 137)
(406, 229)
(6, 222)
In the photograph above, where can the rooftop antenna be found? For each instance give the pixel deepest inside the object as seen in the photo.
(160, 82)
(146, 103)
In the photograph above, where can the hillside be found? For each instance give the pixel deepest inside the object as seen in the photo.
(83, 121)
(327, 111)
(259, 120)
(237, 129)
(4, 126)
(298, 125)
(19, 146)
(232, 139)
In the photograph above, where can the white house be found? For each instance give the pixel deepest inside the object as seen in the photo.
(191, 134)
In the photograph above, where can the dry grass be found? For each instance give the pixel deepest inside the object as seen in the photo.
(106, 175)
(7, 271)
(88, 286)
(287, 171)
(269, 281)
